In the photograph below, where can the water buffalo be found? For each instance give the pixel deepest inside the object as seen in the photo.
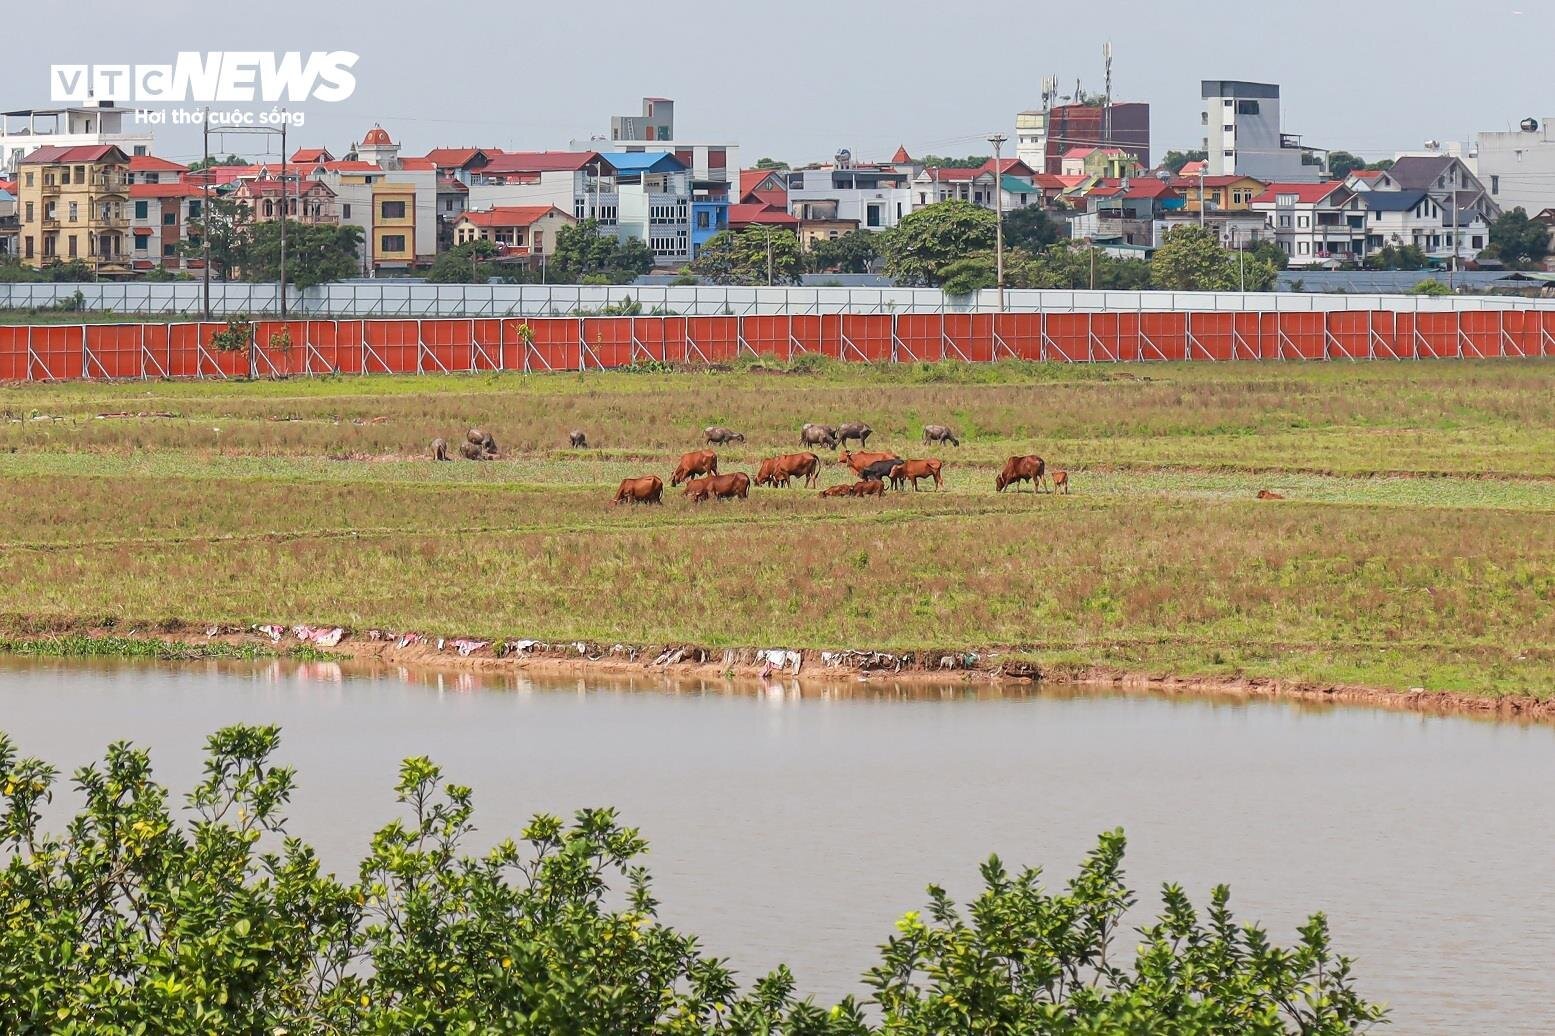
(818, 435)
(868, 487)
(854, 430)
(845, 490)
(577, 438)
(1061, 481)
(697, 462)
(487, 444)
(859, 461)
(721, 435)
(916, 469)
(939, 433)
(646, 490)
(470, 451)
(439, 449)
(1021, 469)
(879, 470)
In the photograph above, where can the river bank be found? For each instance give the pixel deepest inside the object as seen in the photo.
(805, 668)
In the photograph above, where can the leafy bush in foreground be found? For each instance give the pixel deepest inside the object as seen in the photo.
(131, 921)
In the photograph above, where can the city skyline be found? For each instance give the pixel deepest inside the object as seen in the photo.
(938, 106)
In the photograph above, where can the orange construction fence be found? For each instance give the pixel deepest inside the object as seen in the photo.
(361, 346)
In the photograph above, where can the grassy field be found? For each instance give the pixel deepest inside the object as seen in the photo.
(1416, 546)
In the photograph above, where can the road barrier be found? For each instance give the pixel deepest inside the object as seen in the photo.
(275, 348)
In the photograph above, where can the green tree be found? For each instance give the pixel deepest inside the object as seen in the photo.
(464, 264)
(1031, 229)
(1430, 286)
(206, 163)
(770, 163)
(1341, 164)
(315, 254)
(1270, 252)
(852, 252)
(138, 919)
(584, 251)
(1175, 160)
(1397, 257)
(1190, 259)
(755, 255)
(946, 162)
(935, 236)
(1074, 264)
(1517, 240)
(228, 227)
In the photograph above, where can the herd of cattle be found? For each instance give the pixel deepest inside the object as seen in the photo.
(874, 471)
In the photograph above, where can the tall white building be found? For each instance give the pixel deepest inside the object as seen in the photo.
(1243, 137)
(87, 125)
(1517, 167)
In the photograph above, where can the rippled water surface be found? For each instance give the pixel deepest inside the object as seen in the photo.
(796, 828)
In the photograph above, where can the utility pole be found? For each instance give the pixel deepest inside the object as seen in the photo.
(285, 192)
(205, 212)
(1452, 269)
(1201, 195)
(769, 256)
(997, 140)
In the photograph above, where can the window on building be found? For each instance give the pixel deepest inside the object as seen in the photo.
(194, 240)
(73, 210)
(1285, 221)
(1245, 107)
(872, 216)
(537, 240)
(1228, 154)
(393, 243)
(29, 212)
(27, 246)
(29, 179)
(140, 210)
(345, 210)
(142, 242)
(1304, 248)
(169, 218)
(194, 209)
(140, 150)
(169, 250)
(1495, 184)
(393, 210)
(1228, 128)
(80, 174)
(72, 246)
(1479, 242)
(704, 220)
(1303, 221)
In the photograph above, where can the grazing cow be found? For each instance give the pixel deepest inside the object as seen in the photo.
(776, 471)
(1266, 494)
(916, 469)
(487, 444)
(646, 490)
(730, 486)
(868, 487)
(859, 461)
(577, 439)
(846, 490)
(721, 435)
(939, 433)
(697, 462)
(1061, 481)
(1022, 469)
(470, 451)
(854, 430)
(879, 470)
(818, 435)
(439, 449)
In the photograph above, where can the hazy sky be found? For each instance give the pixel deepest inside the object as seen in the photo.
(797, 79)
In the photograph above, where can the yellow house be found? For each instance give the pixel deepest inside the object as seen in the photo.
(1107, 163)
(1221, 193)
(394, 223)
(74, 205)
(525, 234)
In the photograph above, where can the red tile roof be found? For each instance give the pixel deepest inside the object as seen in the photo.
(449, 183)
(417, 165)
(312, 154)
(1368, 174)
(1226, 180)
(948, 173)
(512, 215)
(1143, 187)
(901, 157)
(377, 137)
(458, 157)
(153, 164)
(166, 190)
(539, 162)
(1306, 193)
(278, 186)
(82, 153)
(749, 178)
(1011, 167)
(1192, 168)
(771, 215)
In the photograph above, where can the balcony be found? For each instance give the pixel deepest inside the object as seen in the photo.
(49, 187)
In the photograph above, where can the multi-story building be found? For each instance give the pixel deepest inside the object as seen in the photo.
(1518, 166)
(304, 200)
(91, 124)
(654, 204)
(161, 215)
(656, 123)
(1107, 163)
(876, 196)
(393, 200)
(10, 222)
(524, 234)
(1218, 193)
(75, 206)
(1243, 136)
(1316, 224)
(151, 169)
(1042, 137)
(1125, 212)
(579, 182)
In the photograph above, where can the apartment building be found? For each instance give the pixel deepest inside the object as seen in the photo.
(75, 206)
(875, 196)
(162, 216)
(92, 124)
(1517, 166)
(1243, 135)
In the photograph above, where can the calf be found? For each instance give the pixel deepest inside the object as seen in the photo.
(1061, 481)
(577, 439)
(439, 449)
(846, 490)
(697, 462)
(868, 487)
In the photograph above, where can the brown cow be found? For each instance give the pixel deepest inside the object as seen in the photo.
(766, 474)
(1266, 494)
(916, 469)
(859, 461)
(868, 487)
(795, 465)
(697, 462)
(1061, 481)
(1021, 469)
(646, 490)
(844, 490)
(719, 487)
